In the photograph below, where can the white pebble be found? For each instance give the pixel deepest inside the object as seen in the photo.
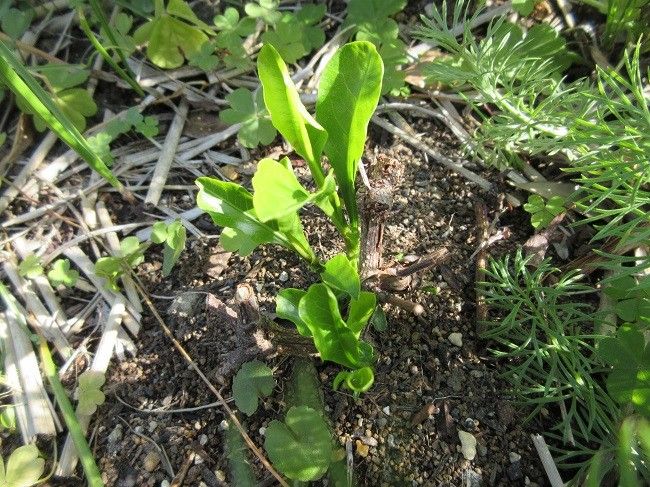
(468, 444)
(284, 277)
(386, 410)
(456, 339)
(262, 430)
(514, 457)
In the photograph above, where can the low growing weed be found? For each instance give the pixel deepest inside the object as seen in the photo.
(335, 311)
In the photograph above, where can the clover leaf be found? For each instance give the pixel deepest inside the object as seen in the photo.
(632, 298)
(62, 274)
(266, 10)
(14, 22)
(30, 267)
(173, 35)
(204, 58)
(89, 392)
(295, 36)
(130, 255)
(253, 381)
(542, 213)
(249, 110)
(24, 467)
(301, 447)
(629, 356)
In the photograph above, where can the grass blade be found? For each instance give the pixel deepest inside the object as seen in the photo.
(14, 74)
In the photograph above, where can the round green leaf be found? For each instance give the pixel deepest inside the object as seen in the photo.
(301, 447)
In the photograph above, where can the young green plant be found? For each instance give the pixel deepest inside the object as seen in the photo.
(335, 311)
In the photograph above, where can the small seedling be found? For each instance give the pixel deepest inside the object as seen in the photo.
(8, 418)
(542, 213)
(266, 10)
(61, 273)
(173, 235)
(30, 267)
(347, 96)
(24, 467)
(14, 21)
(253, 381)
(89, 393)
(301, 446)
(112, 268)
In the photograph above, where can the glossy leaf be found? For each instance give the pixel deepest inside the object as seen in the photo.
(342, 276)
(361, 309)
(253, 381)
(347, 97)
(288, 114)
(301, 447)
(231, 206)
(286, 307)
(319, 310)
(278, 193)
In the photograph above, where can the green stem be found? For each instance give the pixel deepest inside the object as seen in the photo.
(93, 475)
(83, 23)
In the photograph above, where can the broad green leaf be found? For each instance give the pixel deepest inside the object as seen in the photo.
(288, 114)
(62, 274)
(231, 206)
(248, 109)
(523, 7)
(347, 97)
(319, 310)
(110, 268)
(174, 245)
(342, 276)
(8, 417)
(131, 250)
(24, 467)
(286, 307)
(180, 9)
(241, 470)
(89, 393)
(629, 356)
(30, 267)
(301, 447)
(278, 193)
(304, 387)
(159, 232)
(253, 381)
(361, 310)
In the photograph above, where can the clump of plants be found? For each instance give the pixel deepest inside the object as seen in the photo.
(590, 366)
(334, 311)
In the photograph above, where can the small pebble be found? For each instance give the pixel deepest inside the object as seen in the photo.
(203, 440)
(386, 410)
(165, 483)
(468, 444)
(381, 422)
(514, 457)
(390, 439)
(262, 430)
(456, 339)
(151, 461)
(116, 434)
(152, 426)
(369, 440)
(362, 449)
(284, 277)
(223, 426)
(221, 475)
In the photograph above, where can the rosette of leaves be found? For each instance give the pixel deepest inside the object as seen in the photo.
(63, 82)
(173, 35)
(334, 312)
